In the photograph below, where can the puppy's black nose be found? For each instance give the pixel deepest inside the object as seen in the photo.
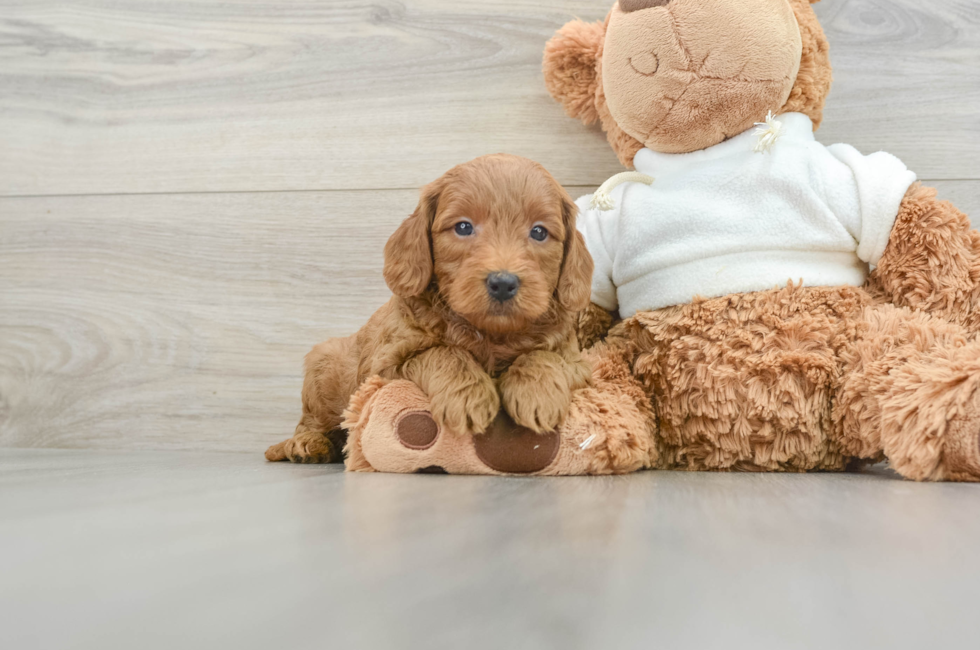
(502, 286)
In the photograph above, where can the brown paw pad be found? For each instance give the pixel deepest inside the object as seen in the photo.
(417, 430)
(506, 447)
(431, 469)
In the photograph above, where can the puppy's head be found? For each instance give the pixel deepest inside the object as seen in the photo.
(497, 237)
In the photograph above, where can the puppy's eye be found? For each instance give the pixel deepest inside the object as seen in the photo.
(539, 233)
(463, 228)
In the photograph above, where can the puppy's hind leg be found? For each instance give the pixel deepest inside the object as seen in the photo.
(331, 378)
(309, 445)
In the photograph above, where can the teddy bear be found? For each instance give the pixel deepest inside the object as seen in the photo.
(761, 302)
(790, 306)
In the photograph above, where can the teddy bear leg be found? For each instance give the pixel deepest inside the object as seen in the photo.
(611, 424)
(747, 382)
(932, 261)
(911, 394)
(392, 430)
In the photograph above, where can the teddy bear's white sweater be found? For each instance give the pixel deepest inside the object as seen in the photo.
(729, 220)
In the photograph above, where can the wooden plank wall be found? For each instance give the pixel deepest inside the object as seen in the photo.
(192, 193)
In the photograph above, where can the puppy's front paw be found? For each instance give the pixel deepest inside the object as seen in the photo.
(469, 406)
(536, 392)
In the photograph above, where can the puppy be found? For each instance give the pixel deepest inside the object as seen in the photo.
(488, 275)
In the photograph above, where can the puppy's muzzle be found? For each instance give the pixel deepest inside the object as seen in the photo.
(502, 286)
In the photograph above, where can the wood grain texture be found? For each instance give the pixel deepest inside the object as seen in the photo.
(178, 550)
(178, 321)
(181, 321)
(125, 96)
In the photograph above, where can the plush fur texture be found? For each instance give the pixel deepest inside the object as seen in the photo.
(570, 58)
(747, 381)
(443, 331)
(910, 394)
(932, 262)
(809, 378)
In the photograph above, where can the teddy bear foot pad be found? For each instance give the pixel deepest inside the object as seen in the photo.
(505, 447)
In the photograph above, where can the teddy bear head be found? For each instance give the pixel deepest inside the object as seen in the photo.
(681, 75)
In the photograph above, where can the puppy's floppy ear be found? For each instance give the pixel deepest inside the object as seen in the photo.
(575, 283)
(408, 253)
(570, 65)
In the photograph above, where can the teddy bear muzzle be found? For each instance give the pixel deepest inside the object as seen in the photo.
(686, 77)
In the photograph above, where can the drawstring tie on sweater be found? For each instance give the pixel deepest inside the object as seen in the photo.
(768, 132)
(602, 199)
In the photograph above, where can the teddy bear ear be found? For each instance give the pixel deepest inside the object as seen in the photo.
(570, 60)
(816, 74)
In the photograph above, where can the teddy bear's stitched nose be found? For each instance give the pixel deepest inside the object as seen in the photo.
(636, 5)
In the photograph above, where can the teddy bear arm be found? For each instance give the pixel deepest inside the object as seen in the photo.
(932, 260)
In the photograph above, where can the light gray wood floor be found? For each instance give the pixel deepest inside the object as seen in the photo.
(193, 193)
(183, 550)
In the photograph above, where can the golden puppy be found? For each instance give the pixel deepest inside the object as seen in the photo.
(487, 274)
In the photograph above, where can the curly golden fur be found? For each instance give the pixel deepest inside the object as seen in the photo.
(468, 351)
